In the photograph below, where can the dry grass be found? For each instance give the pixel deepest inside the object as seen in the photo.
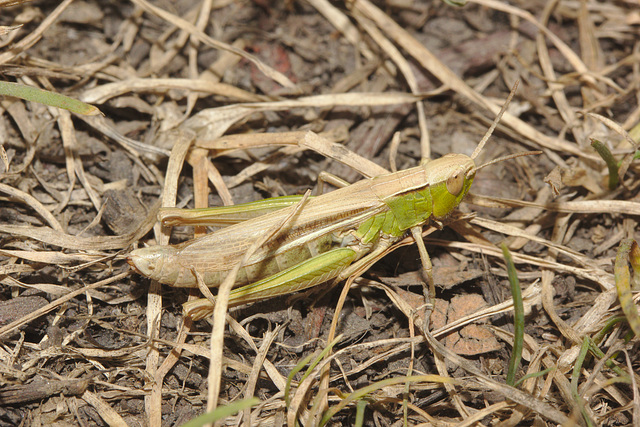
(257, 99)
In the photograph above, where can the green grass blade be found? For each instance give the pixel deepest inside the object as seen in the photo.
(303, 363)
(575, 377)
(360, 407)
(634, 260)
(222, 412)
(457, 3)
(41, 96)
(364, 391)
(623, 282)
(608, 158)
(518, 317)
(532, 375)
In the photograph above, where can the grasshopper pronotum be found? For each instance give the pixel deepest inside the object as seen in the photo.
(331, 237)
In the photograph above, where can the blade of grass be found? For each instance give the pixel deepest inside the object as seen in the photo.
(362, 392)
(360, 407)
(623, 282)
(303, 363)
(222, 412)
(608, 158)
(634, 260)
(518, 317)
(533, 375)
(575, 376)
(34, 94)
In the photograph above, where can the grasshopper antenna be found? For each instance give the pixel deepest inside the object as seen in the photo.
(487, 135)
(503, 158)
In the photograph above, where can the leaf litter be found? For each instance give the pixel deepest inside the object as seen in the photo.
(265, 102)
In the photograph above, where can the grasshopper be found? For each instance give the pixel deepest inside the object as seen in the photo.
(330, 237)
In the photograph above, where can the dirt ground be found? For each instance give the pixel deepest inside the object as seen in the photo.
(206, 103)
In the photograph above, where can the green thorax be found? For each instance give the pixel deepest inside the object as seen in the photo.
(412, 208)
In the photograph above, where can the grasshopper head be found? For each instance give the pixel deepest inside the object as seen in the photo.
(454, 170)
(153, 262)
(450, 177)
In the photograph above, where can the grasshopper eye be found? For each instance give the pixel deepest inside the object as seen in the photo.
(455, 183)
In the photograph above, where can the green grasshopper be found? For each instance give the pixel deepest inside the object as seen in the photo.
(330, 237)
